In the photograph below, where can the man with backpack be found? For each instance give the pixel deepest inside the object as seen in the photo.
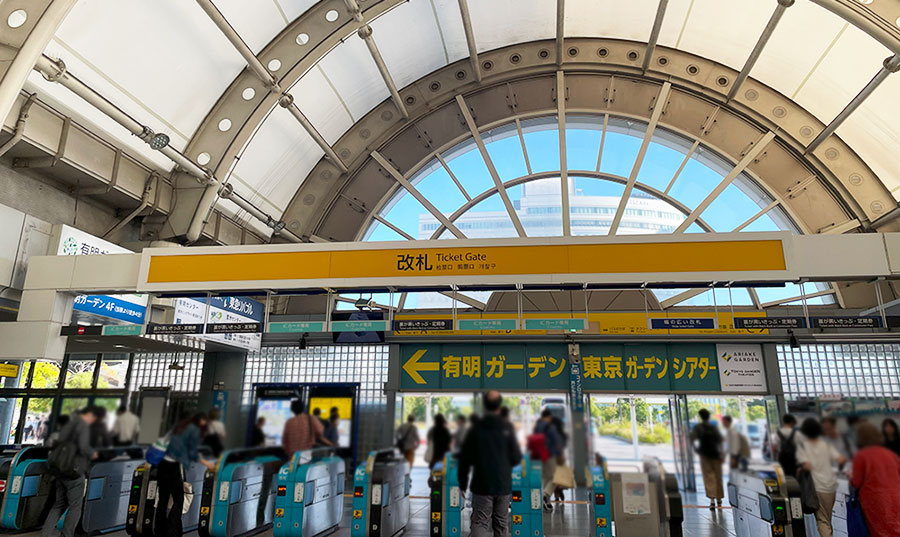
(738, 444)
(68, 463)
(785, 445)
(707, 441)
(407, 439)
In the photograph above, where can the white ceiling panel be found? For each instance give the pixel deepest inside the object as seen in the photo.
(354, 75)
(166, 55)
(315, 98)
(452, 30)
(843, 72)
(292, 8)
(721, 30)
(677, 11)
(804, 34)
(276, 161)
(874, 132)
(237, 214)
(610, 18)
(94, 120)
(409, 27)
(256, 22)
(498, 23)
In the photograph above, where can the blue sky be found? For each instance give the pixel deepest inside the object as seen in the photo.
(620, 149)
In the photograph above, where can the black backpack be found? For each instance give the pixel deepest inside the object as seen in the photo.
(787, 452)
(63, 460)
(709, 440)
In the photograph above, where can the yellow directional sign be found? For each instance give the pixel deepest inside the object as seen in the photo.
(414, 367)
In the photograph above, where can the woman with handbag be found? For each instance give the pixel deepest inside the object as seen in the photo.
(876, 475)
(438, 441)
(818, 458)
(183, 442)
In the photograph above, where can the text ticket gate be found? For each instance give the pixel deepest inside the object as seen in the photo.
(446, 500)
(380, 495)
(309, 498)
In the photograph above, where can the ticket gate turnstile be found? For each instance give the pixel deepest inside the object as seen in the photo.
(380, 495)
(671, 513)
(526, 508)
(142, 503)
(309, 497)
(446, 500)
(27, 485)
(238, 498)
(109, 489)
(765, 502)
(600, 500)
(839, 515)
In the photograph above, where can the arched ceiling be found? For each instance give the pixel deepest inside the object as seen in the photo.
(354, 75)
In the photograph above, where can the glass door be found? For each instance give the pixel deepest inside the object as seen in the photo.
(681, 443)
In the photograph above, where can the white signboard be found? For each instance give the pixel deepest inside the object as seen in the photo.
(741, 368)
(635, 493)
(129, 308)
(223, 310)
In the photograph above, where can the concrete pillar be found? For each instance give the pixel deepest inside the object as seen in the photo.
(224, 371)
(579, 420)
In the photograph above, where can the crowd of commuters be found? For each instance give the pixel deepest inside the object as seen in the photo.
(819, 452)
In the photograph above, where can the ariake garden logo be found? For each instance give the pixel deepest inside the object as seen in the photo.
(740, 356)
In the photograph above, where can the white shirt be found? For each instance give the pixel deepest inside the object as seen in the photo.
(733, 437)
(217, 428)
(822, 457)
(126, 428)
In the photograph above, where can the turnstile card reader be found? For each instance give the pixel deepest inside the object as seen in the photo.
(600, 500)
(109, 489)
(27, 485)
(380, 495)
(447, 501)
(309, 497)
(526, 508)
(142, 504)
(239, 496)
(765, 502)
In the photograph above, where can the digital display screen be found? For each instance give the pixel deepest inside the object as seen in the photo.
(343, 406)
(517, 496)
(358, 492)
(276, 412)
(600, 498)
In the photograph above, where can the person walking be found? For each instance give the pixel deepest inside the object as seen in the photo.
(99, 434)
(876, 475)
(891, 435)
(126, 428)
(438, 439)
(74, 451)
(303, 431)
(818, 457)
(459, 435)
(490, 452)
(738, 444)
(407, 439)
(707, 441)
(831, 435)
(554, 446)
(182, 451)
(215, 433)
(785, 445)
(258, 435)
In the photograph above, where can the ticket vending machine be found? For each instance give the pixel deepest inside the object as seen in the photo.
(380, 495)
(601, 506)
(526, 508)
(765, 502)
(309, 497)
(446, 500)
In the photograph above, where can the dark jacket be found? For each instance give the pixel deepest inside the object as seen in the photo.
(99, 435)
(553, 438)
(440, 443)
(490, 450)
(78, 433)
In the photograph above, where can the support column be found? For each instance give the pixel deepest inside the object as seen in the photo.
(773, 377)
(224, 373)
(579, 417)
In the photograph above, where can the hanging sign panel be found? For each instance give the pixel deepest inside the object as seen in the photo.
(605, 367)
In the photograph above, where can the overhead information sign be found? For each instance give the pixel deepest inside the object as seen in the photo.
(846, 322)
(683, 323)
(487, 324)
(235, 321)
(537, 260)
(296, 327)
(767, 323)
(427, 325)
(638, 368)
(556, 324)
(9, 370)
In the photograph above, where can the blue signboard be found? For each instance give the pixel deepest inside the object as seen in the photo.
(112, 307)
(683, 323)
(576, 393)
(244, 307)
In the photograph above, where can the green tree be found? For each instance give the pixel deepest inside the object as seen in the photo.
(415, 405)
